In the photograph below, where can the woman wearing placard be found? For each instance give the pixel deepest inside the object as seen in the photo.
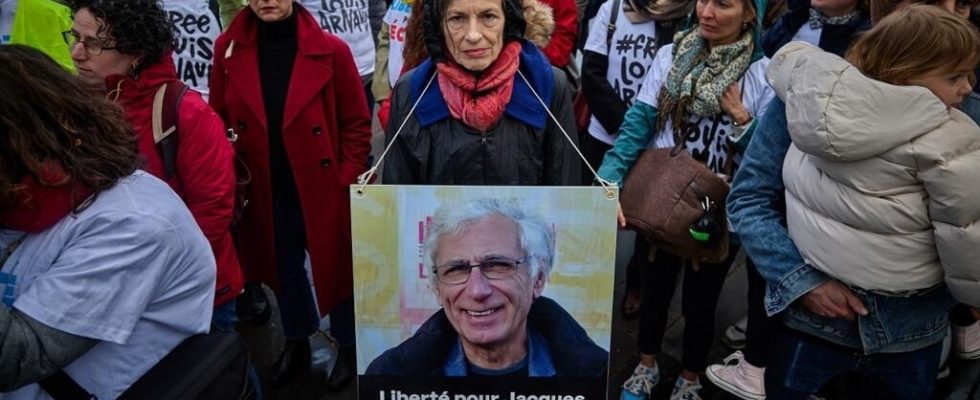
(483, 98)
(708, 85)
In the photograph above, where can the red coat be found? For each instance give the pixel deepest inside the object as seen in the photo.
(204, 175)
(559, 49)
(327, 134)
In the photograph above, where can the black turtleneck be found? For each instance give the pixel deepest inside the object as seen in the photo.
(277, 46)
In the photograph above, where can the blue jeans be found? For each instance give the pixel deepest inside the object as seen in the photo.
(224, 316)
(802, 364)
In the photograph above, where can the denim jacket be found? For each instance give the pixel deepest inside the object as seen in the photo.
(971, 106)
(756, 207)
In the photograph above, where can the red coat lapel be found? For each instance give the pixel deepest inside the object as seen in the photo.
(310, 73)
(243, 73)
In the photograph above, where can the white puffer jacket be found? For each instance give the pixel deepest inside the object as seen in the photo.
(882, 181)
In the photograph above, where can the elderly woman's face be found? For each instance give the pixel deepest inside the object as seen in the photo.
(93, 51)
(474, 32)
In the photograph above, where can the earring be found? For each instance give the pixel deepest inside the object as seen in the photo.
(745, 26)
(132, 72)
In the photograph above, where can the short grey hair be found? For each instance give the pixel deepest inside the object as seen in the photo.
(536, 237)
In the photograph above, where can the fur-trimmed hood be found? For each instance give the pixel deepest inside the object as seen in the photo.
(540, 22)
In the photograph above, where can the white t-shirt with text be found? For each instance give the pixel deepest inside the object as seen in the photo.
(630, 52)
(710, 142)
(197, 29)
(397, 20)
(132, 270)
(348, 20)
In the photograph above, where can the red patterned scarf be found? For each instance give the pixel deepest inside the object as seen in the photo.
(479, 101)
(45, 200)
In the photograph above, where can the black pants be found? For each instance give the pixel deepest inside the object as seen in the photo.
(699, 300)
(960, 315)
(297, 307)
(761, 330)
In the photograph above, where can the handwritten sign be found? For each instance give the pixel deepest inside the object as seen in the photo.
(397, 20)
(348, 20)
(197, 28)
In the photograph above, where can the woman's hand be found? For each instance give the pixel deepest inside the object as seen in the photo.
(726, 178)
(731, 103)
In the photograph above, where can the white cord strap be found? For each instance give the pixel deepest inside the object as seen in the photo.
(608, 186)
(365, 178)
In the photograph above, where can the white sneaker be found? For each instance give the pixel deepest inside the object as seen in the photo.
(734, 336)
(738, 377)
(686, 390)
(641, 383)
(966, 341)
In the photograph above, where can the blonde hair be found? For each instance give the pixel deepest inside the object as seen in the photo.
(916, 40)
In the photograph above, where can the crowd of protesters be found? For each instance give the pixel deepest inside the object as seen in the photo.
(152, 184)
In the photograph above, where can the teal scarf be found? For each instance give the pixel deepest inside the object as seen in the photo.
(699, 77)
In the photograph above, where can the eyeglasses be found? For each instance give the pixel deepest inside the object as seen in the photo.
(92, 46)
(495, 268)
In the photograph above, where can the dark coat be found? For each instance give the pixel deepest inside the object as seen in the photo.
(423, 354)
(327, 134)
(524, 148)
(834, 38)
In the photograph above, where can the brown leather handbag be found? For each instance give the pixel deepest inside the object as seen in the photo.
(667, 193)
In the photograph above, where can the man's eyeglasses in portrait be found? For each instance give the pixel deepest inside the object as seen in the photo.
(493, 268)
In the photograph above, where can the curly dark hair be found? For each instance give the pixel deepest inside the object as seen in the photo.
(138, 27)
(56, 117)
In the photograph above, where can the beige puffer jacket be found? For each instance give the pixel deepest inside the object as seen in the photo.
(882, 181)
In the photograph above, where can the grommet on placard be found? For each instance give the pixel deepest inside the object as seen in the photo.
(359, 192)
(610, 194)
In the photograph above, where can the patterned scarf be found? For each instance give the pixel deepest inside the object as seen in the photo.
(699, 77)
(479, 100)
(818, 20)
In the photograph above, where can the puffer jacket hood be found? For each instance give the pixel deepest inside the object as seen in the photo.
(834, 124)
(881, 180)
(540, 20)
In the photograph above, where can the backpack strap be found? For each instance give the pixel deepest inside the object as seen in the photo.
(613, 16)
(61, 386)
(166, 106)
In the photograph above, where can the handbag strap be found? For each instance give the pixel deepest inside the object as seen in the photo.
(611, 28)
(61, 386)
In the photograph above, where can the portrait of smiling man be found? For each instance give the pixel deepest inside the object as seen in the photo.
(490, 260)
